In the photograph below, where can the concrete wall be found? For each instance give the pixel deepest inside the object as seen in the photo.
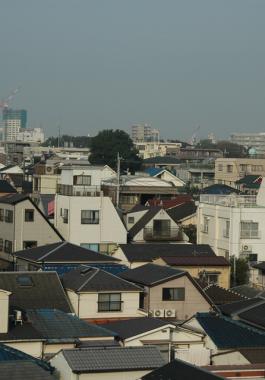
(109, 230)
(31, 348)
(229, 358)
(4, 311)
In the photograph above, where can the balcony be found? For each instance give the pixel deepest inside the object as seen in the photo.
(230, 200)
(251, 234)
(152, 235)
(79, 190)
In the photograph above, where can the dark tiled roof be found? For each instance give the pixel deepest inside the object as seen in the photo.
(196, 261)
(237, 307)
(170, 203)
(111, 359)
(248, 179)
(21, 332)
(63, 252)
(13, 199)
(132, 327)
(227, 333)
(16, 178)
(219, 189)
(151, 274)
(221, 296)
(260, 266)
(253, 355)
(44, 290)
(87, 279)
(255, 316)
(149, 252)
(5, 187)
(182, 211)
(137, 208)
(138, 226)
(179, 370)
(248, 291)
(57, 325)
(24, 370)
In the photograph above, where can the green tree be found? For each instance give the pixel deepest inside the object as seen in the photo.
(231, 149)
(108, 143)
(241, 268)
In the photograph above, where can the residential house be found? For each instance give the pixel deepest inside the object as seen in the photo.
(249, 291)
(108, 362)
(219, 189)
(23, 225)
(171, 340)
(197, 259)
(233, 224)
(241, 357)
(99, 296)
(165, 175)
(230, 170)
(83, 215)
(225, 334)
(153, 224)
(165, 162)
(222, 296)
(137, 189)
(62, 257)
(249, 184)
(17, 365)
(168, 293)
(178, 369)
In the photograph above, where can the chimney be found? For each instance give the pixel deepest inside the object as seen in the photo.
(4, 307)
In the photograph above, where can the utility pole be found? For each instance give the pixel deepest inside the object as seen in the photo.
(118, 179)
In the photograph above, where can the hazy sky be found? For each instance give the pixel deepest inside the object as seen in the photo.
(94, 64)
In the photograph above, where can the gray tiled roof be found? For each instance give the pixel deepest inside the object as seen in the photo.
(111, 359)
(23, 370)
(62, 252)
(151, 274)
(87, 279)
(57, 325)
(149, 252)
(44, 291)
(239, 306)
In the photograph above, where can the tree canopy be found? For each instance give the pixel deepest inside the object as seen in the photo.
(228, 148)
(108, 143)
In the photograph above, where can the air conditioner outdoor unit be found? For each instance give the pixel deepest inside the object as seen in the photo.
(158, 313)
(170, 313)
(246, 248)
(18, 316)
(49, 169)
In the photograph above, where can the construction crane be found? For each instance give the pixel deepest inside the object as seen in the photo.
(4, 104)
(194, 135)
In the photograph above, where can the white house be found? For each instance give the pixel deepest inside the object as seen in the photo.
(82, 214)
(233, 225)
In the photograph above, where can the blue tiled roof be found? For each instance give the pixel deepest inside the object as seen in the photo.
(227, 333)
(153, 171)
(61, 269)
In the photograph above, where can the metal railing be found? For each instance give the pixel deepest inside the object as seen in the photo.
(230, 200)
(167, 234)
(79, 190)
(251, 234)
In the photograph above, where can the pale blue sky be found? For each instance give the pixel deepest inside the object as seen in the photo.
(94, 64)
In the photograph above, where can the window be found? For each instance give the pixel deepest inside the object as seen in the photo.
(227, 228)
(229, 168)
(209, 277)
(1, 214)
(205, 227)
(9, 216)
(1, 244)
(109, 302)
(65, 215)
(91, 246)
(24, 280)
(220, 167)
(173, 294)
(29, 215)
(82, 180)
(249, 230)
(29, 244)
(8, 246)
(131, 219)
(89, 217)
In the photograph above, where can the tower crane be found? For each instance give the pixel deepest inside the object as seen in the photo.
(194, 135)
(4, 104)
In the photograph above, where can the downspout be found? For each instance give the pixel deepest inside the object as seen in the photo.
(78, 304)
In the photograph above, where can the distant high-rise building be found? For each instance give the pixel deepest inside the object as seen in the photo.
(144, 133)
(256, 141)
(14, 120)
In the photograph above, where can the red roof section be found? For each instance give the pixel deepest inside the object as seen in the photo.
(169, 203)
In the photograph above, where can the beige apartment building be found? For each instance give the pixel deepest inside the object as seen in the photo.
(230, 170)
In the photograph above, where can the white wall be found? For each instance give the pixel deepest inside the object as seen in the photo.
(31, 348)
(109, 230)
(4, 311)
(97, 174)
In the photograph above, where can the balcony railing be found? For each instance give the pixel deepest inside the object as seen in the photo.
(225, 234)
(168, 234)
(79, 190)
(230, 200)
